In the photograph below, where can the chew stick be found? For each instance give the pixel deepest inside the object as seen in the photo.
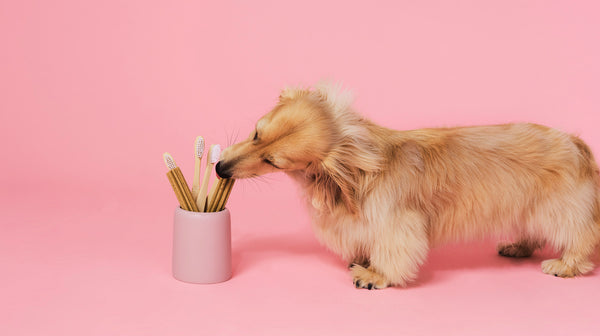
(187, 194)
(177, 190)
(225, 196)
(212, 193)
(213, 156)
(228, 193)
(214, 199)
(198, 151)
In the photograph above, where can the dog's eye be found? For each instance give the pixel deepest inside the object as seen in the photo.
(267, 161)
(255, 135)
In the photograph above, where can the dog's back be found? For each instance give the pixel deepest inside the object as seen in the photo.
(497, 179)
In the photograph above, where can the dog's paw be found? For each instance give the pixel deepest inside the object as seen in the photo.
(559, 268)
(365, 278)
(514, 250)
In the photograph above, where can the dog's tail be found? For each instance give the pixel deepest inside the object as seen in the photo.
(589, 169)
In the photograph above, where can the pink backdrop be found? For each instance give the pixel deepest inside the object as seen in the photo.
(92, 93)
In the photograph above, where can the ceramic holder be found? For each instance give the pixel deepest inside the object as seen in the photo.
(202, 246)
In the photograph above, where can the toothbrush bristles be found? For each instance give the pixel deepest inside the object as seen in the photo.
(169, 161)
(215, 153)
(199, 146)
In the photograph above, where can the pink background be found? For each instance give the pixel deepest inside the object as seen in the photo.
(92, 93)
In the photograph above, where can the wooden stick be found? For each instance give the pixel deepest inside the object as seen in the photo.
(181, 188)
(178, 193)
(228, 193)
(225, 195)
(213, 192)
(211, 195)
(187, 194)
(214, 200)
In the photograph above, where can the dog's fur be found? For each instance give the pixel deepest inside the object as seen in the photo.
(382, 198)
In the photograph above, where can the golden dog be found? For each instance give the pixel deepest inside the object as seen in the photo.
(382, 198)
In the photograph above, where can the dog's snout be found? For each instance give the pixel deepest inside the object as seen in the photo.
(222, 170)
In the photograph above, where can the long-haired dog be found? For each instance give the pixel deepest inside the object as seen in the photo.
(382, 198)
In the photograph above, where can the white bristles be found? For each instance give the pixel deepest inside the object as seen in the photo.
(199, 146)
(215, 153)
(169, 161)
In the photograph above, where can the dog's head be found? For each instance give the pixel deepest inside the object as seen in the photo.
(314, 133)
(292, 136)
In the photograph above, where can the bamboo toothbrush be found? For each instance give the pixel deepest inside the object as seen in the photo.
(199, 150)
(179, 185)
(213, 156)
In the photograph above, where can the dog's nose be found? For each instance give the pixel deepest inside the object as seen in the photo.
(221, 170)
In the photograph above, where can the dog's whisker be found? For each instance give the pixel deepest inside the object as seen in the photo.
(265, 178)
(250, 182)
(230, 140)
(237, 135)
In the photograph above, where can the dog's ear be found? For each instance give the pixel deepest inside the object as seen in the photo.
(354, 158)
(350, 168)
(341, 185)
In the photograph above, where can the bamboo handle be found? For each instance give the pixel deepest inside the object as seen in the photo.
(196, 181)
(201, 198)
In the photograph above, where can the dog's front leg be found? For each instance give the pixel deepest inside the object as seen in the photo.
(397, 252)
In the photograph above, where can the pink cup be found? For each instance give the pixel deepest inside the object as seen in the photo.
(202, 246)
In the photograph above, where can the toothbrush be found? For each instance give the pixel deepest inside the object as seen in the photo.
(216, 185)
(199, 150)
(179, 185)
(213, 156)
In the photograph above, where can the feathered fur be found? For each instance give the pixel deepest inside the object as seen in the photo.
(382, 198)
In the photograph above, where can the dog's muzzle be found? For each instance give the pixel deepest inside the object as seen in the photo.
(223, 170)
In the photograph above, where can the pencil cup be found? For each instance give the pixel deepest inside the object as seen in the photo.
(202, 246)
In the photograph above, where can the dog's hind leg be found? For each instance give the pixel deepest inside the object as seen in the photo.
(573, 230)
(576, 255)
(521, 249)
(396, 254)
(573, 262)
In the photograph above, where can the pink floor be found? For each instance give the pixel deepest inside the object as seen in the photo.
(92, 94)
(100, 265)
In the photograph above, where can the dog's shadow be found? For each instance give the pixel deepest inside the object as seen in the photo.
(248, 252)
(442, 262)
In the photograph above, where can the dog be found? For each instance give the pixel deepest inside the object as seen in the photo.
(381, 198)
